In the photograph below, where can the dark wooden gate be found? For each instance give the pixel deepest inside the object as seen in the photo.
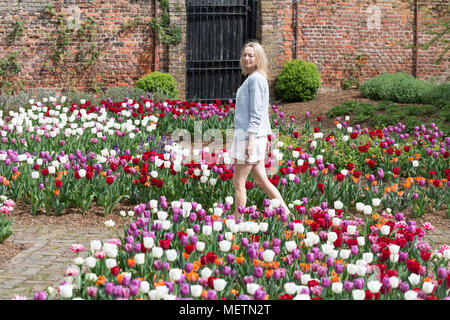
(215, 33)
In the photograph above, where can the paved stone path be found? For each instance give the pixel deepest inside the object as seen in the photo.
(45, 262)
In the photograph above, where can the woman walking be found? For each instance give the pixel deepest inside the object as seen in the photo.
(252, 126)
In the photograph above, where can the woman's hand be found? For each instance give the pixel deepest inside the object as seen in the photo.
(249, 149)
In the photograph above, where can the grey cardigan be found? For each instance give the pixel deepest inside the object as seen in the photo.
(252, 106)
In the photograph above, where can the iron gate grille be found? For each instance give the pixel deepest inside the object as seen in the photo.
(215, 33)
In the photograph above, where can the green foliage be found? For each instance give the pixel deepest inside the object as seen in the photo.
(159, 82)
(403, 88)
(166, 32)
(298, 81)
(5, 227)
(344, 109)
(16, 32)
(9, 67)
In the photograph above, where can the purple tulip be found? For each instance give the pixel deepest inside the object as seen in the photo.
(258, 272)
(359, 283)
(92, 291)
(325, 282)
(348, 285)
(259, 295)
(41, 295)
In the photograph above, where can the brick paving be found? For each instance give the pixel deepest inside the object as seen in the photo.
(44, 263)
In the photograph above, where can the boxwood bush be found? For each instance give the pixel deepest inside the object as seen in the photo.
(298, 81)
(159, 82)
(403, 88)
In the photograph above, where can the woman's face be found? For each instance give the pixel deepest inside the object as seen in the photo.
(249, 59)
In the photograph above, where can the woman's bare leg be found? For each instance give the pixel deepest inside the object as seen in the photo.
(262, 181)
(241, 172)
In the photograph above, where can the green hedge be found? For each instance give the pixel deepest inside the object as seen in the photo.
(298, 81)
(404, 88)
(159, 82)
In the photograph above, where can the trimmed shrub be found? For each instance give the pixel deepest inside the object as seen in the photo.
(398, 87)
(298, 81)
(159, 82)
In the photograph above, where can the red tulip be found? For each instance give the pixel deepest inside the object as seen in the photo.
(109, 179)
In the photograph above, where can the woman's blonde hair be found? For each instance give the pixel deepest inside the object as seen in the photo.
(261, 60)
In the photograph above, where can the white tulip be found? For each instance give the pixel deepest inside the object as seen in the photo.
(148, 242)
(140, 258)
(414, 279)
(175, 274)
(361, 241)
(351, 269)
(196, 290)
(374, 286)
(217, 226)
(367, 209)
(290, 288)
(268, 255)
(206, 272)
(351, 229)
(252, 287)
(368, 257)
(206, 230)
(338, 205)
(336, 287)
(344, 253)
(332, 236)
(144, 287)
(66, 291)
(427, 287)
(200, 246)
(410, 295)
(298, 227)
(302, 297)
(291, 245)
(263, 226)
(361, 270)
(358, 294)
(90, 262)
(157, 252)
(304, 278)
(110, 263)
(394, 282)
(336, 222)
(171, 255)
(218, 212)
(224, 245)
(219, 284)
(376, 202)
(359, 206)
(385, 230)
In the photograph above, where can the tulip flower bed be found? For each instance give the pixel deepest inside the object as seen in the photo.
(346, 239)
(179, 250)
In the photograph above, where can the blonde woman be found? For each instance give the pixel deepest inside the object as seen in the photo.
(252, 126)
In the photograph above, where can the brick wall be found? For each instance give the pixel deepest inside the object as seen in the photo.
(332, 34)
(329, 33)
(126, 48)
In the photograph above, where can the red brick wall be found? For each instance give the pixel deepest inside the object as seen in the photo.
(330, 33)
(333, 33)
(125, 55)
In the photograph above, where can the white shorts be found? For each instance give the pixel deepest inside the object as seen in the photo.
(239, 145)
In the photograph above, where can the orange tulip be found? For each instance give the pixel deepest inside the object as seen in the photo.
(131, 262)
(101, 280)
(240, 260)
